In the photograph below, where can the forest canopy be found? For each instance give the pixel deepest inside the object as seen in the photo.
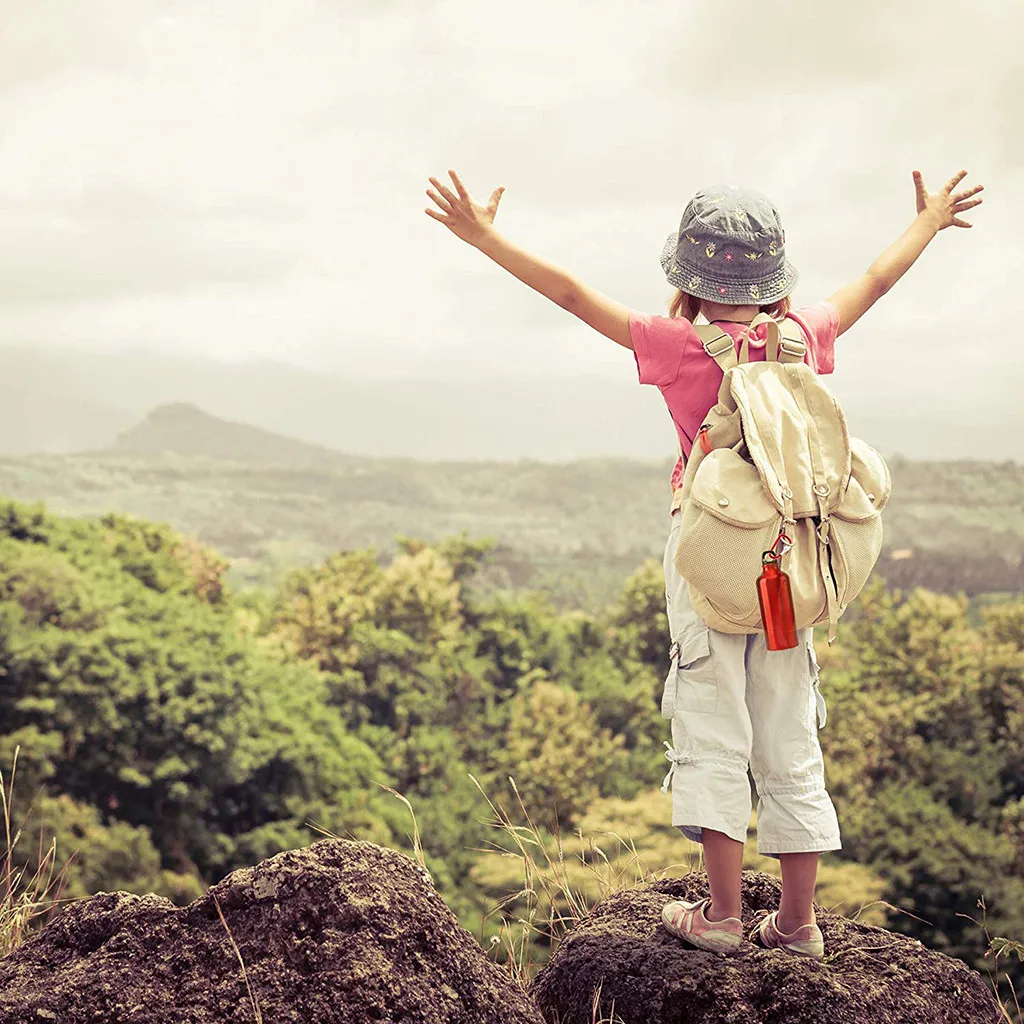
(170, 731)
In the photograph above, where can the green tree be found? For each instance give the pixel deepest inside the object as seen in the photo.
(556, 752)
(924, 764)
(129, 687)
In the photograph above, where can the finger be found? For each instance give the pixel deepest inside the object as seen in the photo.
(919, 189)
(443, 203)
(954, 181)
(961, 196)
(492, 203)
(460, 188)
(445, 191)
(961, 207)
(958, 223)
(439, 216)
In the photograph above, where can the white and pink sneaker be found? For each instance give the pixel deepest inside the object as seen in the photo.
(687, 920)
(805, 941)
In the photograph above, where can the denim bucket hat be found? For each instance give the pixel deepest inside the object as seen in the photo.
(730, 248)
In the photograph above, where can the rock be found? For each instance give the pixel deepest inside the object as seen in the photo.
(869, 975)
(337, 932)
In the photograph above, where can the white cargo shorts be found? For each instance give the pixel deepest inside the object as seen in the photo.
(736, 707)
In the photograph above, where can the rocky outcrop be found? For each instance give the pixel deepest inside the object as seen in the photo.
(351, 932)
(337, 932)
(869, 975)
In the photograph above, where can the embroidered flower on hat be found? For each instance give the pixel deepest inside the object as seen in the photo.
(722, 290)
(729, 257)
(710, 249)
(753, 255)
(694, 281)
(773, 249)
(695, 241)
(755, 291)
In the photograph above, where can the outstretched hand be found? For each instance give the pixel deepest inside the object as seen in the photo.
(946, 205)
(459, 213)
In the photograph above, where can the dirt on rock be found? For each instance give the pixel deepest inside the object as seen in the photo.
(648, 976)
(338, 931)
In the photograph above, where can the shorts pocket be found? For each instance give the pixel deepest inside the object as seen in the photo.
(696, 687)
(819, 701)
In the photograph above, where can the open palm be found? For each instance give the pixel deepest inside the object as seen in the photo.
(458, 211)
(945, 204)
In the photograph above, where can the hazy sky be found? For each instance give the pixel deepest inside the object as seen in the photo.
(245, 178)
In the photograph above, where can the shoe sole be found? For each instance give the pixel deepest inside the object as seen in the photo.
(815, 949)
(723, 942)
(815, 952)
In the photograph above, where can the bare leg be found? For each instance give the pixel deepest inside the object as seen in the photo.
(799, 873)
(723, 859)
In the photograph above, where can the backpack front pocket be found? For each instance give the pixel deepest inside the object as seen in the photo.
(727, 523)
(696, 675)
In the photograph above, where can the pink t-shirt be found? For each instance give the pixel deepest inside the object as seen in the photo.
(670, 355)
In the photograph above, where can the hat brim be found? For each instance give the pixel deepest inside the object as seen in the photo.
(695, 280)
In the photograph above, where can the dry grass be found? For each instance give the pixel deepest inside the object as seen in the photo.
(555, 902)
(253, 998)
(1010, 1008)
(26, 901)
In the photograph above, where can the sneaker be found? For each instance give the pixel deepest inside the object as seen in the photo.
(805, 941)
(687, 920)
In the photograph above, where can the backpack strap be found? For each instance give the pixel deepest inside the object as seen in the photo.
(785, 342)
(791, 344)
(718, 344)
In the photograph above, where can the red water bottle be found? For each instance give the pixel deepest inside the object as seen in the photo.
(776, 600)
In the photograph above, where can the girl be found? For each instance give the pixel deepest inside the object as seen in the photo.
(734, 705)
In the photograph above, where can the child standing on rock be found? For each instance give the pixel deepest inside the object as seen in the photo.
(735, 706)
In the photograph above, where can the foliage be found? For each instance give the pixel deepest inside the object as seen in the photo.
(925, 762)
(161, 730)
(171, 730)
(558, 752)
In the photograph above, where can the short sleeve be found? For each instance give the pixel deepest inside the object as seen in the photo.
(658, 344)
(821, 325)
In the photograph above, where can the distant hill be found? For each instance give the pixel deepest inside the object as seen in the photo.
(576, 529)
(519, 414)
(184, 429)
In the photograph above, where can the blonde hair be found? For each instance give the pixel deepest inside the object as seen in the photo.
(689, 306)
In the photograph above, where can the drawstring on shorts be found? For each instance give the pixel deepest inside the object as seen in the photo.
(677, 759)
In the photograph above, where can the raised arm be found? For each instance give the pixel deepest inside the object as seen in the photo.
(935, 211)
(474, 224)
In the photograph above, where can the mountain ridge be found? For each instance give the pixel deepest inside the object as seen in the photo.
(183, 428)
(91, 398)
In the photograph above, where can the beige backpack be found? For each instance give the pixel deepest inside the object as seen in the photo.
(774, 457)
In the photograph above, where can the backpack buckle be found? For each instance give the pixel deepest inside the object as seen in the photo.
(792, 347)
(716, 346)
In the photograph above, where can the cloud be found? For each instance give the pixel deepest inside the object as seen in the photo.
(248, 179)
(114, 242)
